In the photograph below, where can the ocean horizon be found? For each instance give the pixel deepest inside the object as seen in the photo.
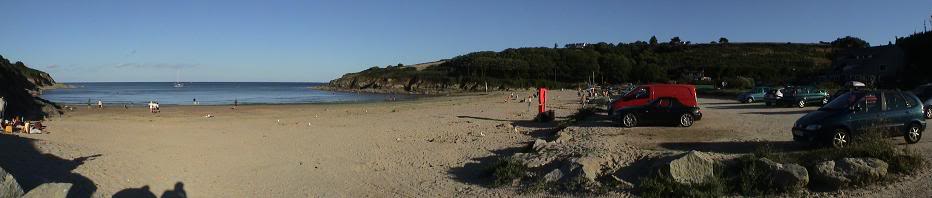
(204, 93)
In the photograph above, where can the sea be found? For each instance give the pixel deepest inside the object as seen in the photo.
(205, 93)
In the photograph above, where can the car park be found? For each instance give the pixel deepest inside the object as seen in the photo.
(798, 96)
(663, 110)
(893, 113)
(754, 95)
(924, 93)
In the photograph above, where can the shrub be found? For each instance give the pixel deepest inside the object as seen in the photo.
(505, 170)
(659, 186)
(740, 82)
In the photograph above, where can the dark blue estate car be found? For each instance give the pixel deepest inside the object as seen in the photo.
(894, 113)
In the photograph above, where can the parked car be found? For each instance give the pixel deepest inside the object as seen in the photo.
(924, 93)
(754, 95)
(662, 110)
(643, 94)
(894, 113)
(849, 86)
(797, 96)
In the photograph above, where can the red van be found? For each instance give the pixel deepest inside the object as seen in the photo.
(685, 94)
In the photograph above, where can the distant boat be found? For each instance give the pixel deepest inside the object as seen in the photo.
(178, 79)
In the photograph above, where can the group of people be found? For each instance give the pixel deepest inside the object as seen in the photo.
(17, 123)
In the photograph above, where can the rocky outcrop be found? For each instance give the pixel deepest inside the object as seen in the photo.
(845, 171)
(790, 177)
(49, 190)
(17, 85)
(693, 167)
(9, 188)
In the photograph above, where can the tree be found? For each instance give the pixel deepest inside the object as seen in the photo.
(850, 42)
(653, 40)
(723, 40)
(675, 40)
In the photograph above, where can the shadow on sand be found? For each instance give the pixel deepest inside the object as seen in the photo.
(144, 192)
(476, 172)
(519, 123)
(31, 167)
(735, 147)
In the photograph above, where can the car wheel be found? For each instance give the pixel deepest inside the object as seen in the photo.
(801, 104)
(840, 138)
(686, 120)
(749, 100)
(629, 120)
(913, 134)
(928, 112)
(824, 101)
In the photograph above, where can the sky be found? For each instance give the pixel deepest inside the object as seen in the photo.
(317, 41)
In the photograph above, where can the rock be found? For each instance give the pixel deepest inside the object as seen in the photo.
(532, 160)
(691, 168)
(622, 184)
(588, 168)
(563, 137)
(791, 177)
(9, 188)
(540, 145)
(554, 175)
(842, 172)
(49, 190)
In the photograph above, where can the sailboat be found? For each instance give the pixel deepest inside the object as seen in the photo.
(178, 79)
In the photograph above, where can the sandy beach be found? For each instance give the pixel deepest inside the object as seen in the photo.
(381, 149)
(429, 147)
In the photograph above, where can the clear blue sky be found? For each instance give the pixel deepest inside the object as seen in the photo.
(304, 41)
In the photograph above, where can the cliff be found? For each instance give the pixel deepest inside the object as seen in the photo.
(18, 83)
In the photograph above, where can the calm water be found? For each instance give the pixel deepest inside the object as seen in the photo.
(206, 93)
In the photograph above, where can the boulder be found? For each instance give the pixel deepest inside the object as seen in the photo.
(563, 137)
(693, 167)
(532, 160)
(791, 177)
(554, 175)
(9, 188)
(540, 145)
(49, 190)
(586, 167)
(847, 170)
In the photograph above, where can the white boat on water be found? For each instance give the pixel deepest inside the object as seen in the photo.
(178, 79)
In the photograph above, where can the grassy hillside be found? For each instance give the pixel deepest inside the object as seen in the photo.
(763, 63)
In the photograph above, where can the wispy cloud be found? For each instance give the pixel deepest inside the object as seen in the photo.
(157, 65)
(52, 66)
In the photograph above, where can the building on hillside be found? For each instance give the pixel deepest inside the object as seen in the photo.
(878, 66)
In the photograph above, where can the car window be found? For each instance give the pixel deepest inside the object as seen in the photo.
(642, 93)
(664, 103)
(638, 93)
(894, 101)
(907, 100)
(870, 103)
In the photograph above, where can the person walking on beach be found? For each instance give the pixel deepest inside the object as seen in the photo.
(235, 103)
(100, 104)
(153, 107)
(195, 101)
